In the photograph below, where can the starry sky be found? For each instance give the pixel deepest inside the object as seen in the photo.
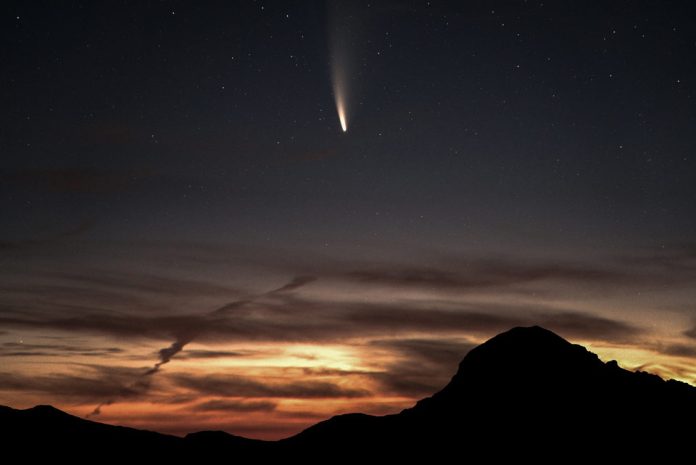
(189, 240)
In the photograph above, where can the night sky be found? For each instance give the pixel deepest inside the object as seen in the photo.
(189, 240)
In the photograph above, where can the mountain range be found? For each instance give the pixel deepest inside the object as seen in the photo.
(526, 393)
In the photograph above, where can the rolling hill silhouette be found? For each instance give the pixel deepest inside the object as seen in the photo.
(526, 393)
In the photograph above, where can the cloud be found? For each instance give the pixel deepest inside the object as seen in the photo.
(80, 389)
(166, 354)
(193, 354)
(226, 405)
(17, 349)
(225, 385)
(679, 350)
(481, 274)
(309, 415)
(376, 319)
(287, 318)
(134, 282)
(431, 351)
(691, 333)
(184, 336)
(296, 283)
(585, 326)
(323, 371)
(421, 366)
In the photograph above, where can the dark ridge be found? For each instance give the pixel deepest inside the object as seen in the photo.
(526, 393)
(207, 439)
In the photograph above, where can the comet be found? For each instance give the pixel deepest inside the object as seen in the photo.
(340, 99)
(340, 41)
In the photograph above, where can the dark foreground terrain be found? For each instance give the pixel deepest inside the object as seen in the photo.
(526, 393)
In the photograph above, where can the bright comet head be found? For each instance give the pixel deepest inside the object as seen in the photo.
(342, 118)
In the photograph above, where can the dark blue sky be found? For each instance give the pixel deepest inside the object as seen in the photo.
(562, 123)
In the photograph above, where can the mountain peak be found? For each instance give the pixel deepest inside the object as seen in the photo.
(525, 338)
(525, 334)
(518, 366)
(525, 349)
(46, 409)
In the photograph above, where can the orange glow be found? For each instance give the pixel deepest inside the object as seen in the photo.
(271, 390)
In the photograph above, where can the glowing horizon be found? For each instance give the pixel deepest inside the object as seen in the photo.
(280, 409)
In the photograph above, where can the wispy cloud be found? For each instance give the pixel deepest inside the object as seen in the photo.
(679, 350)
(135, 283)
(184, 336)
(193, 354)
(283, 315)
(227, 405)
(459, 274)
(94, 386)
(486, 274)
(420, 318)
(17, 349)
(296, 319)
(419, 367)
(226, 385)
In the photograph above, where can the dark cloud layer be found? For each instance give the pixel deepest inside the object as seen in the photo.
(193, 354)
(17, 349)
(227, 405)
(288, 318)
(120, 304)
(630, 270)
(166, 354)
(691, 333)
(430, 351)
(422, 366)
(679, 350)
(92, 387)
(296, 283)
(135, 282)
(304, 320)
(585, 326)
(485, 274)
(225, 385)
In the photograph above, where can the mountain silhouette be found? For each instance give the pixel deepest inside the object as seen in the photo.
(526, 393)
